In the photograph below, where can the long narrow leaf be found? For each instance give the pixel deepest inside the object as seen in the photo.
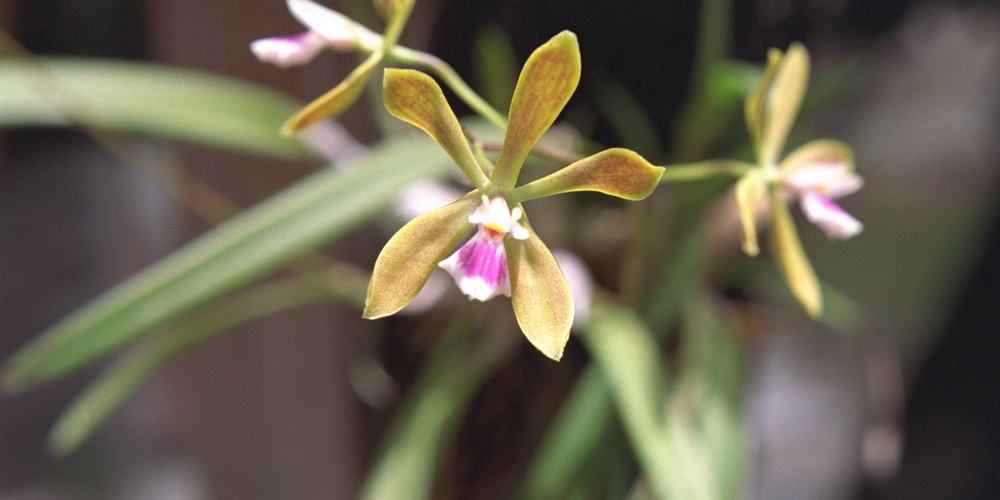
(426, 424)
(317, 209)
(146, 98)
(667, 450)
(142, 362)
(574, 436)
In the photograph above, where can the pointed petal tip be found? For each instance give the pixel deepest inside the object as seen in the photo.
(814, 310)
(750, 247)
(554, 353)
(552, 347)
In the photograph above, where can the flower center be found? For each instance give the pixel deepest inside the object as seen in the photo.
(496, 220)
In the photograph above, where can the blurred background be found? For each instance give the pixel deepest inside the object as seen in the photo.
(905, 409)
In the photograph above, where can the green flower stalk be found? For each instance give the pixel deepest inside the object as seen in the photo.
(505, 256)
(814, 174)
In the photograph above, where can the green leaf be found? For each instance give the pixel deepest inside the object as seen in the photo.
(792, 259)
(410, 256)
(574, 435)
(546, 83)
(417, 99)
(668, 450)
(616, 172)
(145, 98)
(142, 362)
(426, 423)
(712, 370)
(317, 209)
(495, 65)
(540, 295)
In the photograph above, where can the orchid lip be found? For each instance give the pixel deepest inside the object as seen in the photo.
(480, 267)
(830, 217)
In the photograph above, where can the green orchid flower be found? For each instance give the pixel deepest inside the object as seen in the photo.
(505, 256)
(814, 174)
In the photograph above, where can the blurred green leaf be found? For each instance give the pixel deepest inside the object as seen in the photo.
(142, 362)
(426, 423)
(670, 453)
(628, 118)
(146, 98)
(712, 382)
(315, 210)
(495, 65)
(574, 436)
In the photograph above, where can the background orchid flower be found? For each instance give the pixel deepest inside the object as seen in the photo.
(505, 256)
(331, 29)
(814, 174)
(328, 29)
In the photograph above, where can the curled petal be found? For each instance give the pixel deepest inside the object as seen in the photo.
(337, 100)
(826, 166)
(479, 268)
(288, 51)
(750, 192)
(417, 99)
(820, 151)
(772, 108)
(541, 298)
(792, 259)
(832, 219)
(339, 31)
(547, 81)
(617, 172)
(410, 256)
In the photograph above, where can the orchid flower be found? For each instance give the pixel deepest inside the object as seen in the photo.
(504, 256)
(814, 174)
(331, 29)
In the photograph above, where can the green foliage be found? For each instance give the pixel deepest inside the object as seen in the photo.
(672, 415)
(145, 98)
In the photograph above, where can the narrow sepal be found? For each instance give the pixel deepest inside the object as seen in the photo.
(410, 256)
(792, 259)
(547, 81)
(541, 298)
(750, 191)
(417, 99)
(616, 172)
(337, 100)
(772, 108)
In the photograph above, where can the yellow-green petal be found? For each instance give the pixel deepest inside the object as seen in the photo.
(772, 108)
(417, 99)
(540, 295)
(410, 256)
(792, 259)
(750, 191)
(617, 172)
(821, 151)
(547, 81)
(337, 100)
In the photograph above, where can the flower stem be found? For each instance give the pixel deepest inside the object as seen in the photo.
(448, 75)
(702, 170)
